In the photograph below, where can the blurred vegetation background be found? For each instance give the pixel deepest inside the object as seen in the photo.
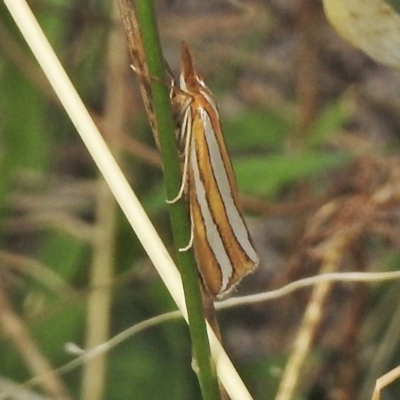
(313, 127)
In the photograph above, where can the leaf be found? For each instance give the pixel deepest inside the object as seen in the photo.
(255, 129)
(63, 253)
(372, 26)
(268, 175)
(328, 123)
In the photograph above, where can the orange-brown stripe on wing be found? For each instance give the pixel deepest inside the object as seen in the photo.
(207, 240)
(239, 263)
(247, 263)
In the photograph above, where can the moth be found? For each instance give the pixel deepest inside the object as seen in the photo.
(222, 244)
(223, 247)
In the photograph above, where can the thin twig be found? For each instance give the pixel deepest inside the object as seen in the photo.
(85, 356)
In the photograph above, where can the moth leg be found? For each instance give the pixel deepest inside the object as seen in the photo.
(191, 239)
(187, 134)
(169, 85)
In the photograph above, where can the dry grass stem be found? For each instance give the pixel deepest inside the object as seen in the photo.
(384, 381)
(331, 256)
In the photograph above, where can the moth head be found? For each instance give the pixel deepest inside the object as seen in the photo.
(190, 80)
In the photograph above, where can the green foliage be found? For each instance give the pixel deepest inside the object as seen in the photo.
(147, 371)
(270, 174)
(327, 124)
(64, 254)
(257, 129)
(263, 166)
(269, 369)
